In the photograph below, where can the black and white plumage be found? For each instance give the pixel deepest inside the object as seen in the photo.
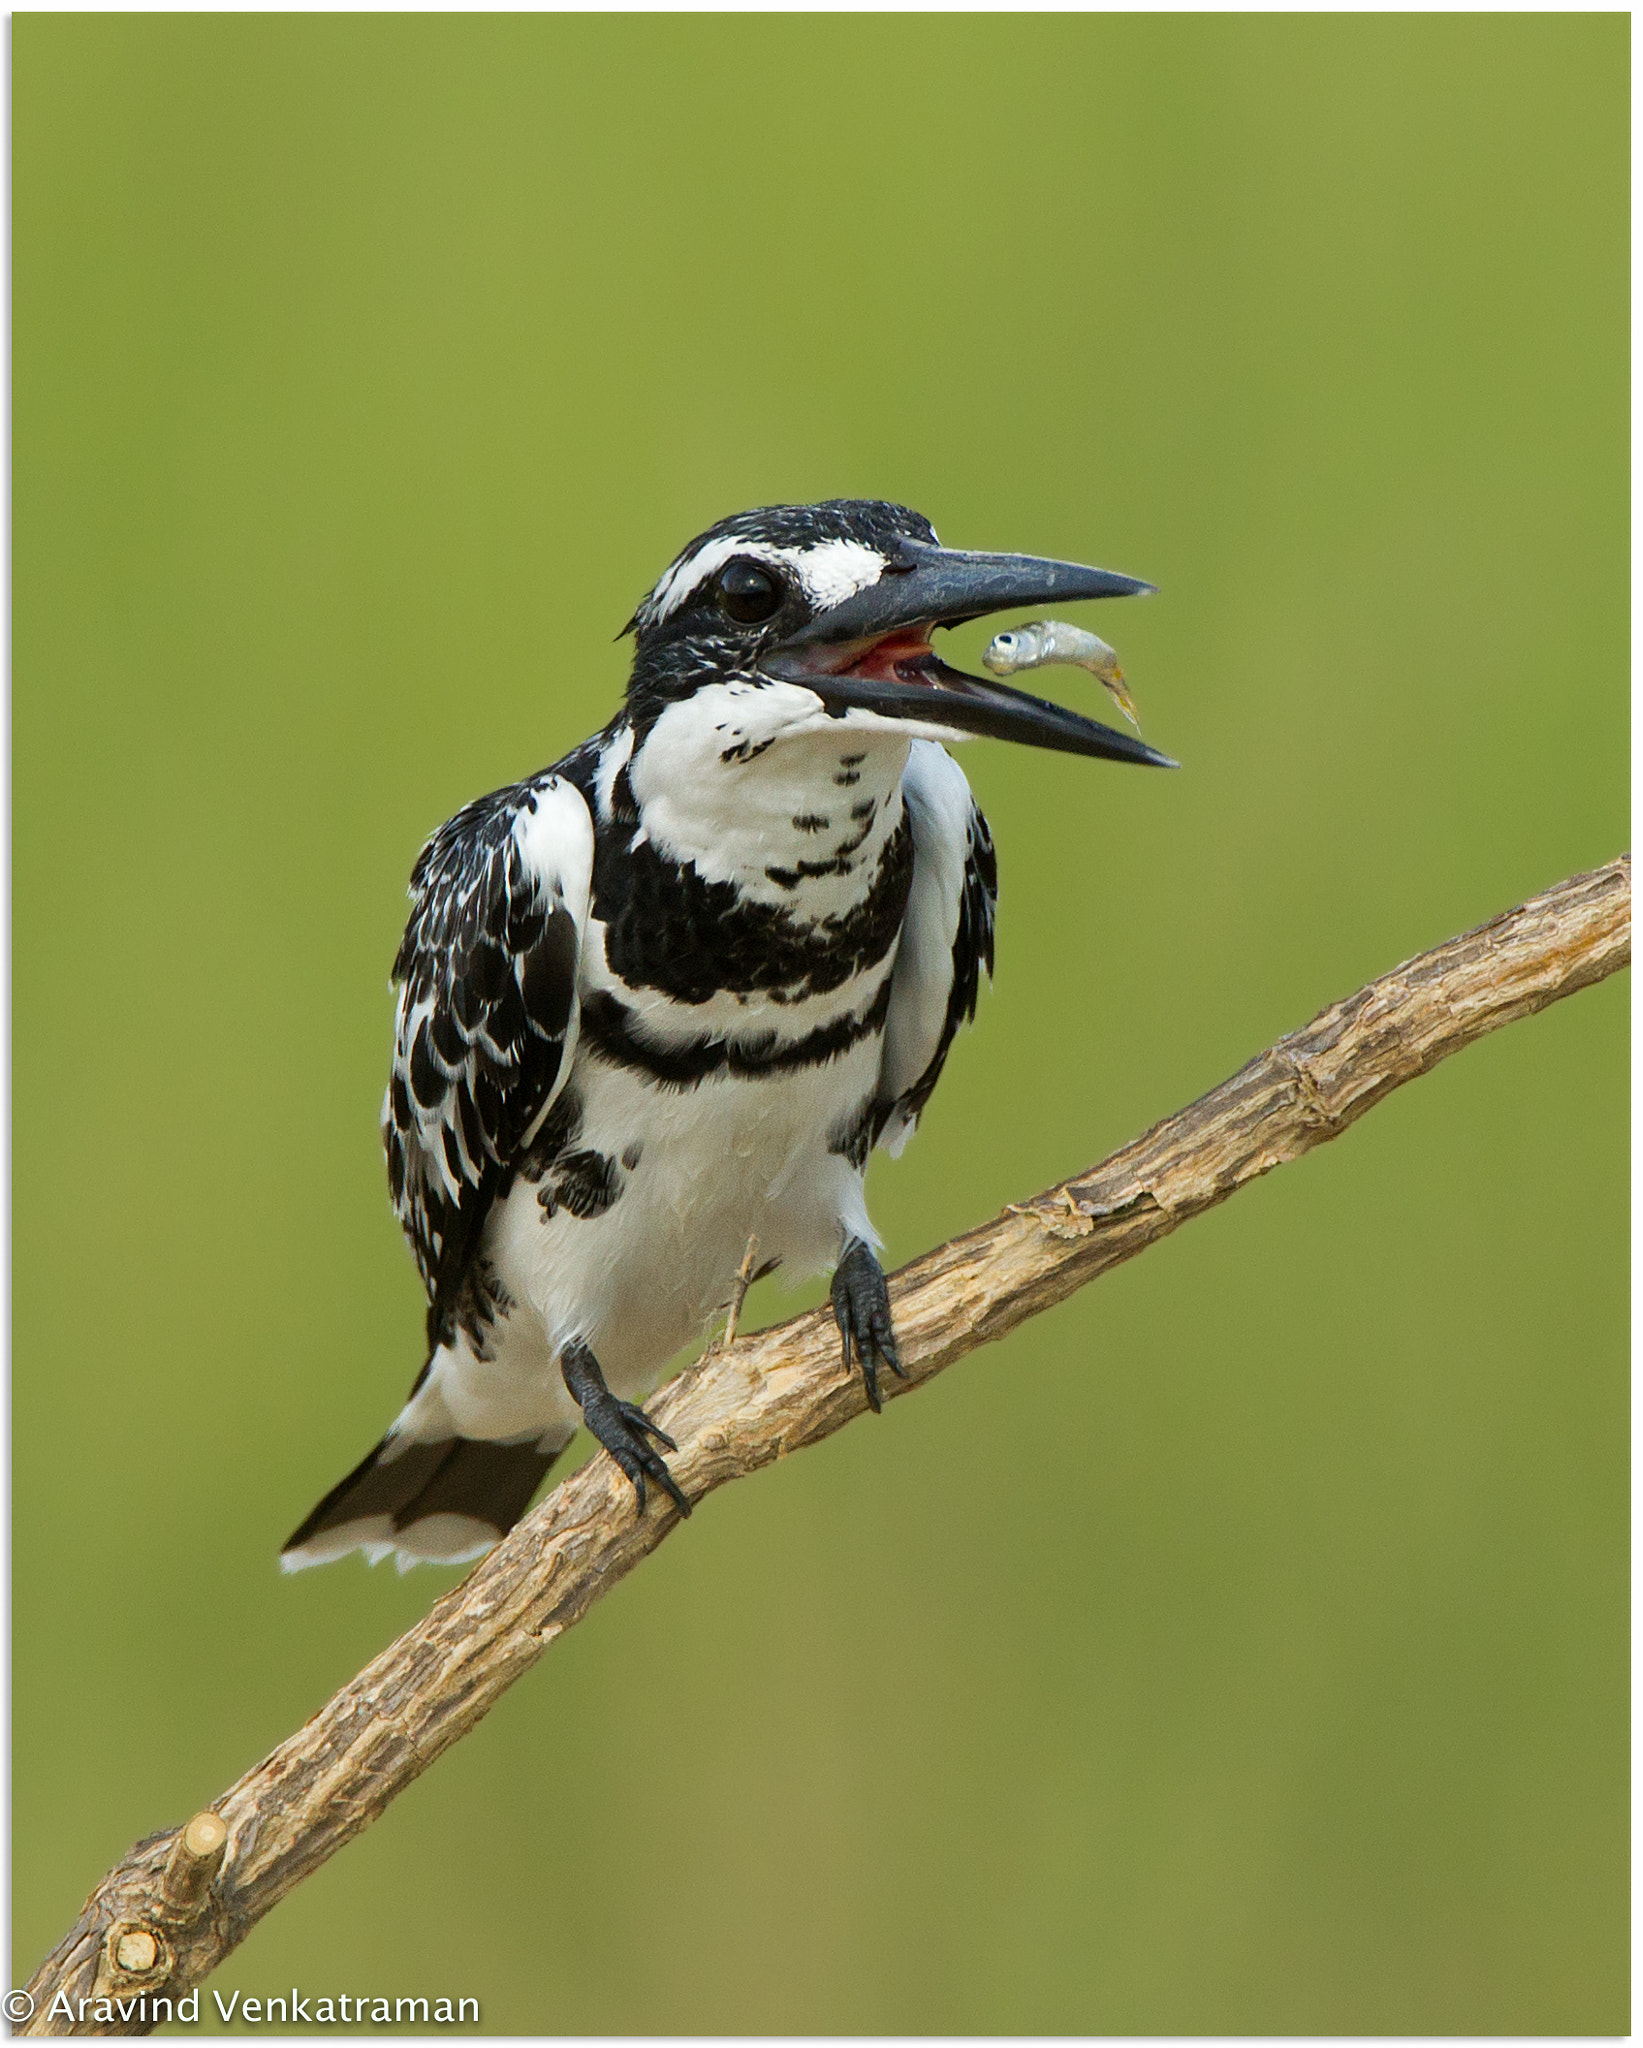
(671, 992)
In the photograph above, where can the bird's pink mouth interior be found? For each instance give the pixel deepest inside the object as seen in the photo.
(900, 657)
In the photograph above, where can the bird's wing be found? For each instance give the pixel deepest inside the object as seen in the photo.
(946, 937)
(487, 1018)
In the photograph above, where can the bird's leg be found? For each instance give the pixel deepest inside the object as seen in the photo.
(861, 1308)
(621, 1426)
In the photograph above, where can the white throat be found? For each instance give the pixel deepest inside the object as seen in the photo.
(755, 784)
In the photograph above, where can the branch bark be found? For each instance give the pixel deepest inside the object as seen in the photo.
(181, 1900)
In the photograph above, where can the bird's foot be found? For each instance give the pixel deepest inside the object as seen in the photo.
(861, 1308)
(620, 1426)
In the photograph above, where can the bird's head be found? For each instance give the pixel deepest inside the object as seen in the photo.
(841, 599)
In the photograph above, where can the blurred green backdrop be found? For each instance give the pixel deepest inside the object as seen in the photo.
(366, 370)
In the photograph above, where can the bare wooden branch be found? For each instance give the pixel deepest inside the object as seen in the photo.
(168, 1914)
(746, 1274)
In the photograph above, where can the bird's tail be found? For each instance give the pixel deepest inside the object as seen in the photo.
(428, 1503)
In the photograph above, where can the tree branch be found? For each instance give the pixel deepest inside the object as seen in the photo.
(167, 1915)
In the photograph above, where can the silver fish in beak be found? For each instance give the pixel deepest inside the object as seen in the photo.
(1046, 643)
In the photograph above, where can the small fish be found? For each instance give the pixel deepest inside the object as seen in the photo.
(1052, 641)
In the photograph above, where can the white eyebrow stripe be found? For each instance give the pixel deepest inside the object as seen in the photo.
(830, 572)
(837, 569)
(688, 575)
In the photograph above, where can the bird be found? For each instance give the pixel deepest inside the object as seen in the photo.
(667, 996)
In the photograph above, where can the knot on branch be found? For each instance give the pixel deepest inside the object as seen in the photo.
(137, 1957)
(1309, 1097)
(196, 1857)
(152, 1922)
(1077, 1208)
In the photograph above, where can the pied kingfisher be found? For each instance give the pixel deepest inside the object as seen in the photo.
(667, 995)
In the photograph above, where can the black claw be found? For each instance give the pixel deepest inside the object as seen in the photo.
(636, 1416)
(620, 1426)
(861, 1307)
(665, 1478)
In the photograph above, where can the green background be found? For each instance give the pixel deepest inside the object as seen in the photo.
(1241, 1646)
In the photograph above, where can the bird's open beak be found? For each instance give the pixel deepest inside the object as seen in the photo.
(873, 652)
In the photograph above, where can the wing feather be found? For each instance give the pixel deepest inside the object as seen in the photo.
(946, 937)
(487, 1017)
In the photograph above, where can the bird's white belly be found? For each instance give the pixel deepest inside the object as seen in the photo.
(699, 1171)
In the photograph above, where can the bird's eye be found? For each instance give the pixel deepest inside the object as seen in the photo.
(748, 592)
